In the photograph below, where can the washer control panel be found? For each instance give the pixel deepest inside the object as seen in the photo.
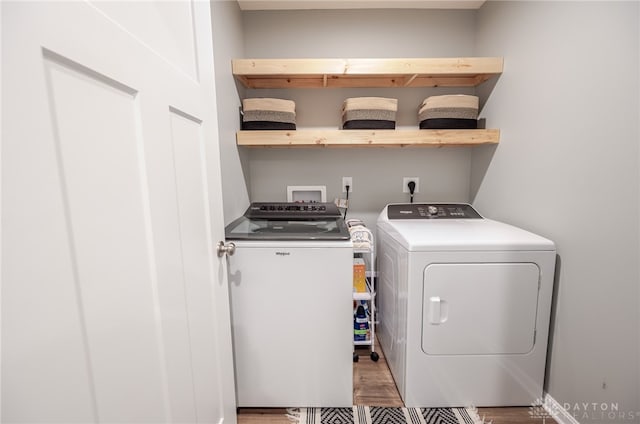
(269, 210)
(432, 211)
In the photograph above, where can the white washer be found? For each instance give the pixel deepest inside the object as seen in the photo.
(291, 312)
(464, 306)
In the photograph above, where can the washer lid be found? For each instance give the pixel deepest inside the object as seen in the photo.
(289, 221)
(245, 228)
(460, 235)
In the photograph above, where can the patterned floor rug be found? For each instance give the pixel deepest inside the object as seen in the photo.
(381, 415)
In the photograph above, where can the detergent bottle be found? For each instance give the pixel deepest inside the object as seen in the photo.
(361, 322)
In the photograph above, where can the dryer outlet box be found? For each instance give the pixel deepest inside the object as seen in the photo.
(306, 194)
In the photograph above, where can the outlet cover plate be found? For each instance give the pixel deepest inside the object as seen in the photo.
(347, 181)
(405, 182)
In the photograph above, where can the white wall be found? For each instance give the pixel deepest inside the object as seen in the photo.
(228, 43)
(377, 173)
(568, 168)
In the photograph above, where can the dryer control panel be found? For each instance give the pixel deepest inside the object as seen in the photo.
(432, 211)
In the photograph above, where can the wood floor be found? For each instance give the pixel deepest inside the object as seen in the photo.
(373, 385)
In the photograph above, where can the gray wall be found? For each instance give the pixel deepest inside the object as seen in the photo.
(567, 107)
(228, 43)
(568, 168)
(377, 173)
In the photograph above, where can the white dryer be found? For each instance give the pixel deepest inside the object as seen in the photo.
(464, 306)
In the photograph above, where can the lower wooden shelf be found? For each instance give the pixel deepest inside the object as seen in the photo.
(366, 138)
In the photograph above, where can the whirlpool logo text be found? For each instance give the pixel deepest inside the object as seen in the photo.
(283, 253)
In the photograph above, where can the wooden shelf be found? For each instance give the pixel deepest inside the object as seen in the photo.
(366, 138)
(364, 73)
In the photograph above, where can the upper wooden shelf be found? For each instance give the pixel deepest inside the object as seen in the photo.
(366, 138)
(363, 73)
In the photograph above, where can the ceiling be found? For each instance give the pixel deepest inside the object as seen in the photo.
(358, 4)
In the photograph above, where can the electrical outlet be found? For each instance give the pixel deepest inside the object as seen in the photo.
(405, 186)
(347, 181)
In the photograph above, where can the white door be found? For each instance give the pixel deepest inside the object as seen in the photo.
(114, 303)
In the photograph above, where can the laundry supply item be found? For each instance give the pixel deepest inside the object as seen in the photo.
(361, 236)
(454, 111)
(375, 114)
(448, 113)
(369, 124)
(382, 103)
(451, 100)
(268, 114)
(265, 103)
(369, 113)
(359, 276)
(361, 322)
(267, 125)
(449, 124)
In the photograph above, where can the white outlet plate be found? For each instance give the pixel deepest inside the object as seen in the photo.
(347, 181)
(405, 182)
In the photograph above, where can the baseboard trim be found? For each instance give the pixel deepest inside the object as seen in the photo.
(561, 415)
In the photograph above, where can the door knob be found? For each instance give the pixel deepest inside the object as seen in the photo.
(229, 249)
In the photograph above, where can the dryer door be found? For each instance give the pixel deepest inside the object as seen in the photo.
(479, 308)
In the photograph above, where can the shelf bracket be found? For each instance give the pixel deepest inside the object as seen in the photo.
(413, 77)
(324, 80)
(245, 81)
